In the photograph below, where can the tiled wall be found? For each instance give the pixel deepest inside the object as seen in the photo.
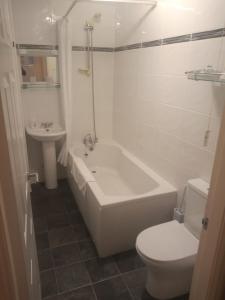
(169, 18)
(159, 114)
(82, 108)
(104, 40)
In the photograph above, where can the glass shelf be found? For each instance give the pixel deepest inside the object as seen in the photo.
(208, 74)
(30, 85)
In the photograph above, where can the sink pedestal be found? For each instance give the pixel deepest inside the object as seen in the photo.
(49, 156)
(48, 133)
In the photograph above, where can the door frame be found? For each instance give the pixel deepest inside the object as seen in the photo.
(209, 273)
(8, 290)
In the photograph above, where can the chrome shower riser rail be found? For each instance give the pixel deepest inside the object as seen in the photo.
(93, 89)
(152, 3)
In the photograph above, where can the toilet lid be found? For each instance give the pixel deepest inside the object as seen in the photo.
(167, 242)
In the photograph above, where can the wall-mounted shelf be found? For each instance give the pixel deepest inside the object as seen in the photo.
(37, 85)
(208, 74)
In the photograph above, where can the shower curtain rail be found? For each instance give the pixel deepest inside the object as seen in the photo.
(152, 3)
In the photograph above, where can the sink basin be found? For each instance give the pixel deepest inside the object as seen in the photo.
(48, 136)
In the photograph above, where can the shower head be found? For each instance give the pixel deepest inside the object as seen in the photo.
(97, 17)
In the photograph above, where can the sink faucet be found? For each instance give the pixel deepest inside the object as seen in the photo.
(46, 124)
(89, 142)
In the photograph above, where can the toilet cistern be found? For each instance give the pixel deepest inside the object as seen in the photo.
(47, 133)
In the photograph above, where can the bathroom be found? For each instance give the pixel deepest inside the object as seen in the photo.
(114, 111)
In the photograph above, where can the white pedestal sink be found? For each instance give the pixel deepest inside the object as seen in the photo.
(48, 136)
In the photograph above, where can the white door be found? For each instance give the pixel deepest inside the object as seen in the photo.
(12, 109)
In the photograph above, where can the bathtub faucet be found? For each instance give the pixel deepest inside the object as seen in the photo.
(89, 142)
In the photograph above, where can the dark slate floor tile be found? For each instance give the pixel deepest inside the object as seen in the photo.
(40, 210)
(38, 198)
(101, 268)
(67, 254)
(183, 297)
(63, 186)
(61, 236)
(38, 189)
(45, 260)
(48, 283)
(135, 281)
(76, 218)
(70, 203)
(56, 297)
(56, 205)
(40, 225)
(141, 294)
(71, 277)
(113, 289)
(58, 220)
(85, 293)
(81, 232)
(128, 261)
(42, 241)
(87, 250)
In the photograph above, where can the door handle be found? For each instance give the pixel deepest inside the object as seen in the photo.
(205, 222)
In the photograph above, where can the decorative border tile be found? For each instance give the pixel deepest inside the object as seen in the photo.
(95, 49)
(177, 39)
(208, 34)
(103, 49)
(155, 43)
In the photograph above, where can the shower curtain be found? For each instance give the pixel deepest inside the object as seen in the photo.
(65, 72)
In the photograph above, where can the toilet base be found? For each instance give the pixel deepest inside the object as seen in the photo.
(169, 283)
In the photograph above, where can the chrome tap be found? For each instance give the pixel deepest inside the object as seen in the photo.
(46, 124)
(89, 142)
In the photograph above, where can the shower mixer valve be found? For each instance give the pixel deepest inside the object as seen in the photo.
(89, 142)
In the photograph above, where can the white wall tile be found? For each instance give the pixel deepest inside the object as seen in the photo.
(169, 18)
(31, 25)
(33, 21)
(42, 105)
(170, 113)
(104, 85)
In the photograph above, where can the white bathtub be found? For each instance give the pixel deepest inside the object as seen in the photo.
(123, 196)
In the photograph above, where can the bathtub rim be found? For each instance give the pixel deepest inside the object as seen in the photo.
(104, 200)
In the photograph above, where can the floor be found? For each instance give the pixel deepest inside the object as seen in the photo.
(70, 268)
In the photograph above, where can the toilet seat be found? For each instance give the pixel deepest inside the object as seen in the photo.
(167, 242)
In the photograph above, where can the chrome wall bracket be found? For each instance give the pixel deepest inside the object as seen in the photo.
(33, 177)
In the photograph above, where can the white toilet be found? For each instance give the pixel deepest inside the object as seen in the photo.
(169, 250)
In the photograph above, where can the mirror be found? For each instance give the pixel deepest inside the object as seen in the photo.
(39, 70)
